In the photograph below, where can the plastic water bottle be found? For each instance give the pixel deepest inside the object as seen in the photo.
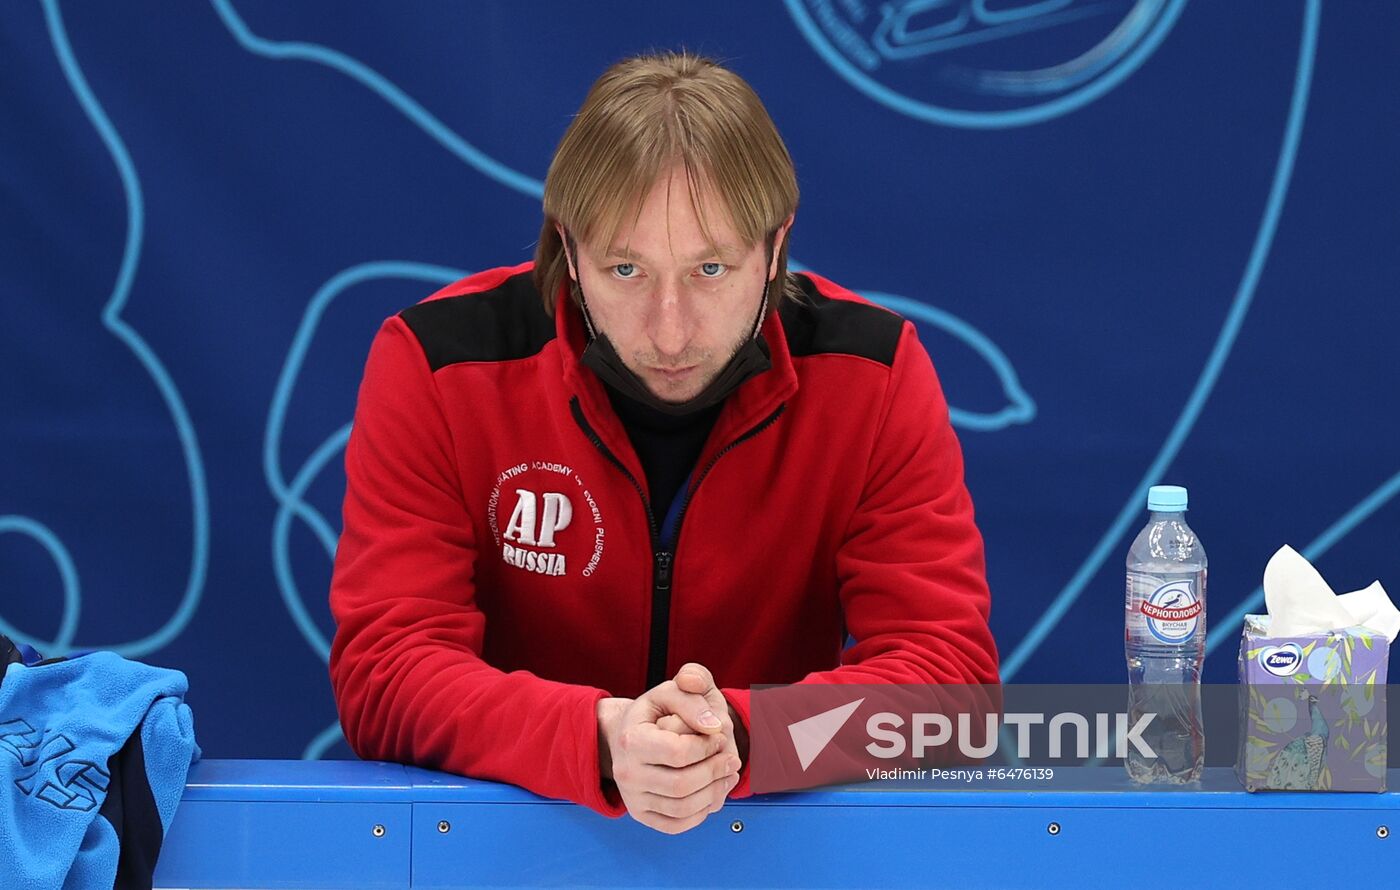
(1164, 640)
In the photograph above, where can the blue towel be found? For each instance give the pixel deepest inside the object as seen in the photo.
(94, 753)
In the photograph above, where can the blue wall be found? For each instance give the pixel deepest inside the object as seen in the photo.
(1144, 241)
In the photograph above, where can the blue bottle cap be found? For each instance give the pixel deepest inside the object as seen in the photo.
(1166, 499)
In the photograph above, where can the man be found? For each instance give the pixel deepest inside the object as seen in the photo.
(592, 499)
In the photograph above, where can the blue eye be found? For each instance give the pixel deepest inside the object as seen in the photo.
(624, 270)
(712, 270)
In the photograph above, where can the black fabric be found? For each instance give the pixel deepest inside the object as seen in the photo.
(751, 359)
(668, 445)
(131, 809)
(819, 325)
(9, 653)
(507, 322)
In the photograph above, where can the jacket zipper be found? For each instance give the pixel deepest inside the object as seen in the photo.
(593, 437)
(663, 560)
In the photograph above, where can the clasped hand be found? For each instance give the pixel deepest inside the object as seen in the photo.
(672, 751)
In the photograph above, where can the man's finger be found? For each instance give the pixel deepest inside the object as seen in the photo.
(694, 677)
(707, 800)
(672, 723)
(649, 744)
(701, 714)
(728, 786)
(684, 781)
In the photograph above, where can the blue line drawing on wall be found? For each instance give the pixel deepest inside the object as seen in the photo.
(290, 497)
(68, 574)
(903, 54)
(1229, 629)
(972, 23)
(356, 70)
(290, 503)
(1225, 341)
(323, 742)
(112, 320)
(1021, 409)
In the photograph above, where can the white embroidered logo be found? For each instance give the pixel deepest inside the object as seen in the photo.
(531, 538)
(558, 513)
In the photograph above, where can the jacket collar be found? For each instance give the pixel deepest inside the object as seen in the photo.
(753, 402)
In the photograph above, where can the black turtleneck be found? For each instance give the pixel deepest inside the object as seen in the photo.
(667, 445)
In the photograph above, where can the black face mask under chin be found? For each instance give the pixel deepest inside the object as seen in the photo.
(751, 359)
(601, 357)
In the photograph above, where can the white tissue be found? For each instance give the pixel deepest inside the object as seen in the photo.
(1300, 602)
(1372, 608)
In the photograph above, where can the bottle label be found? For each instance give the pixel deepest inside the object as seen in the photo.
(1171, 611)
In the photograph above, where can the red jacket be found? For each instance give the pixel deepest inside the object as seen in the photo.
(497, 577)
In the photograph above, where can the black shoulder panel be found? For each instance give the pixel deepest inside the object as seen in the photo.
(820, 325)
(504, 323)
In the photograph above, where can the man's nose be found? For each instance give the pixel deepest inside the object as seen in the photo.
(672, 321)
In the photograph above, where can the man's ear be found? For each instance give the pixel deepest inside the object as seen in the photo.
(779, 239)
(568, 254)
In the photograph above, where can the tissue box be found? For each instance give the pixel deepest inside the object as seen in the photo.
(1312, 710)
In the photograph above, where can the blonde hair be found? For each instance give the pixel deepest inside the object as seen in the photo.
(642, 117)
